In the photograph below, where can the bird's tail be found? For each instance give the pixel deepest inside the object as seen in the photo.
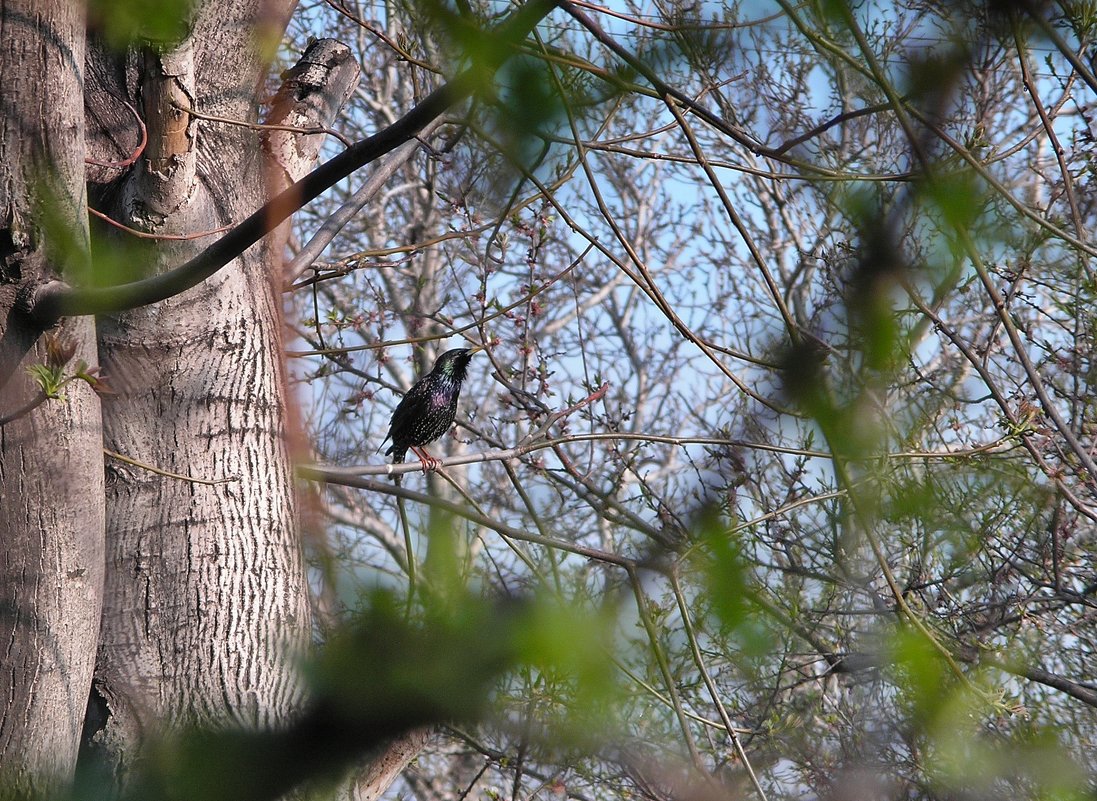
(397, 458)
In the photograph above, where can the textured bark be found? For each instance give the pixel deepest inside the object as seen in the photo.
(382, 770)
(51, 462)
(311, 95)
(166, 178)
(204, 599)
(207, 603)
(206, 596)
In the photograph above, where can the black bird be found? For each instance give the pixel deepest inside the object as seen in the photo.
(428, 409)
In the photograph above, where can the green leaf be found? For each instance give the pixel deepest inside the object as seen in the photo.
(49, 378)
(920, 672)
(727, 584)
(120, 22)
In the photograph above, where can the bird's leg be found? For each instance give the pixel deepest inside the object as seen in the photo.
(430, 464)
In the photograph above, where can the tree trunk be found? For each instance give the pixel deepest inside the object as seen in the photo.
(181, 579)
(51, 462)
(207, 604)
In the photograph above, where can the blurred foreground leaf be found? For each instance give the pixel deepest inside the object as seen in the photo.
(378, 678)
(120, 22)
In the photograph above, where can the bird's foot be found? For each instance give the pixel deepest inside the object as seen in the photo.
(430, 464)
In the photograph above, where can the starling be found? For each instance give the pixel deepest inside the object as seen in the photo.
(428, 409)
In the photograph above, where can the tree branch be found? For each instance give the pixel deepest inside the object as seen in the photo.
(327, 476)
(58, 300)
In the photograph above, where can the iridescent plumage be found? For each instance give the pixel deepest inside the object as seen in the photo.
(428, 409)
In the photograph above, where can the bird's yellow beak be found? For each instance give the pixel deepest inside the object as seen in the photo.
(474, 349)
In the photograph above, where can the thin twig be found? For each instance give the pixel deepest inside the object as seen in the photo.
(25, 409)
(168, 473)
(555, 417)
(714, 693)
(335, 222)
(456, 332)
(147, 235)
(266, 126)
(634, 267)
(736, 220)
(136, 154)
(400, 52)
(661, 660)
(311, 473)
(660, 85)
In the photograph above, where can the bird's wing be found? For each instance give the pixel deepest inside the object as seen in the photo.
(410, 407)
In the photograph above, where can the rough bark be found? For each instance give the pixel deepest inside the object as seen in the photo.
(51, 461)
(206, 596)
(376, 777)
(309, 99)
